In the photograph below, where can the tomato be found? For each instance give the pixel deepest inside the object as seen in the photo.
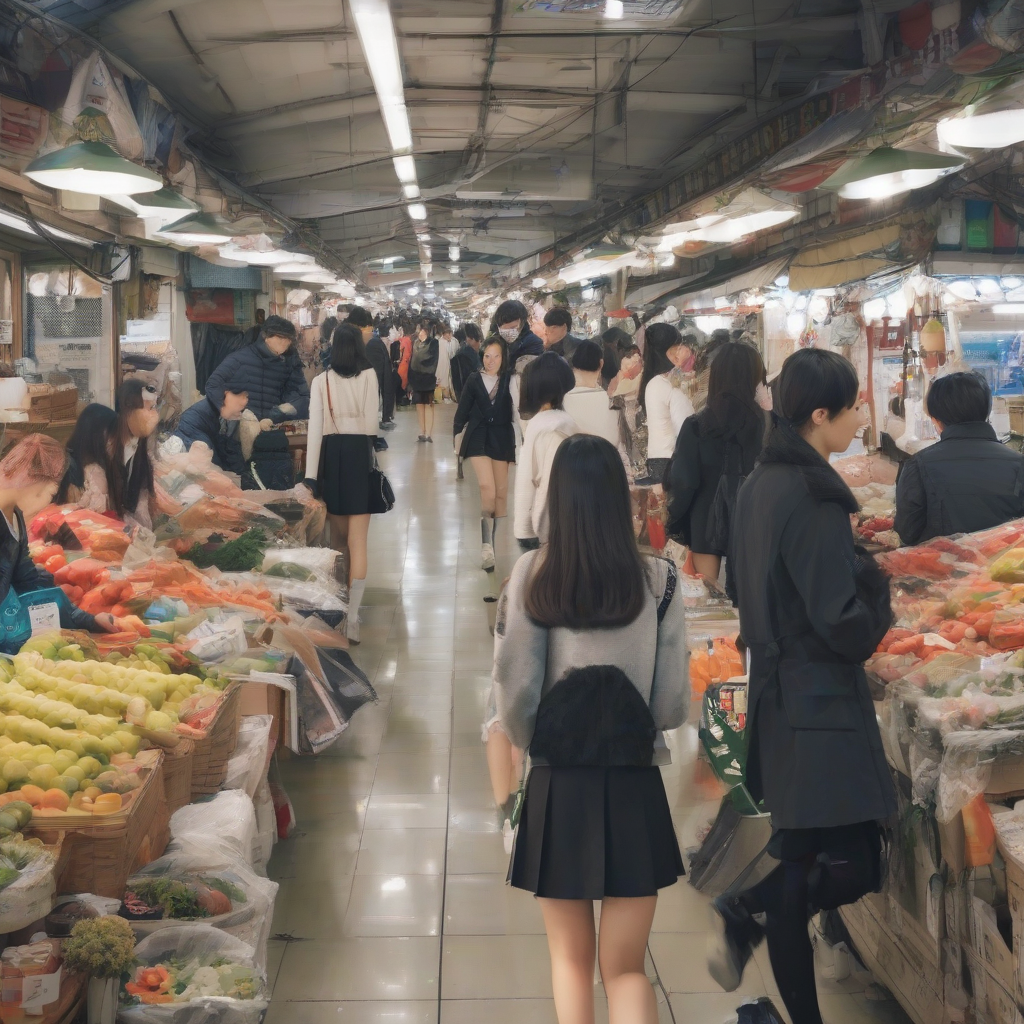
(55, 562)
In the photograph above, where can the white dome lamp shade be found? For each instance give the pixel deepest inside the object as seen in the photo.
(886, 172)
(165, 204)
(198, 229)
(93, 168)
(994, 122)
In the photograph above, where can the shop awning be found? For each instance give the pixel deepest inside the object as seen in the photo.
(648, 293)
(845, 260)
(714, 285)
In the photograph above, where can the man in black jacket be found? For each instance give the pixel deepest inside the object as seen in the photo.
(466, 361)
(557, 325)
(380, 358)
(965, 482)
(213, 420)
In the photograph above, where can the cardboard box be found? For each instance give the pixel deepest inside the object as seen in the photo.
(993, 1003)
(989, 945)
(916, 981)
(265, 699)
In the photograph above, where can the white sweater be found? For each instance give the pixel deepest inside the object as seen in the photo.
(593, 414)
(544, 433)
(667, 408)
(355, 401)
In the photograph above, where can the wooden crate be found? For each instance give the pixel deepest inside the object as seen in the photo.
(214, 750)
(100, 854)
(177, 769)
(1015, 409)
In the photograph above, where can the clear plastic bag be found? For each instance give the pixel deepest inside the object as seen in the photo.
(248, 766)
(30, 896)
(969, 760)
(223, 826)
(232, 897)
(186, 955)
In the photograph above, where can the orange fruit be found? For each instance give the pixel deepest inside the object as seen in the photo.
(107, 803)
(32, 794)
(57, 799)
(93, 791)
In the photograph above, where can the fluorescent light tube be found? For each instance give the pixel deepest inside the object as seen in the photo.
(376, 31)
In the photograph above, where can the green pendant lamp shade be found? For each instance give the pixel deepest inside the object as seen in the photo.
(888, 172)
(198, 229)
(165, 201)
(93, 168)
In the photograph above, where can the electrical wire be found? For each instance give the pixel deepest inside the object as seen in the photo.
(101, 278)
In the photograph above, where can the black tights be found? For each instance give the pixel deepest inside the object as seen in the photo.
(819, 869)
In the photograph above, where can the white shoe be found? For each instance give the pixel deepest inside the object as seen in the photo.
(352, 630)
(486, 556)
(508, 837)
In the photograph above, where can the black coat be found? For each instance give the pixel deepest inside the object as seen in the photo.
(423, 372)
(17, 570)
(812, 609)
(202, 422)
(965, 482)
(527, 344)
(271, 381)
(465, 363)
(566, 347)
(698, 462)
(488, 424)
(380, 360)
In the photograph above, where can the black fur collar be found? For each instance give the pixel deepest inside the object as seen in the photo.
(786, 446)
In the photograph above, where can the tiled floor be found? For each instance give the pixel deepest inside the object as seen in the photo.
(393, 905)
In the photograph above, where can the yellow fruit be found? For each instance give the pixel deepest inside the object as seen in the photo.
(43, 754)
(92, 792)
(43, 775)
(74, 772)
(107, 803)
(15, 772)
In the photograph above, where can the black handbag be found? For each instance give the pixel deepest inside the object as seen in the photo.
(382, 497)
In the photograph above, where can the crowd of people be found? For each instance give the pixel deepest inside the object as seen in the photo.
(590, 652)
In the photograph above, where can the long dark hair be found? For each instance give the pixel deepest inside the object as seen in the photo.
(500, 342)
(125, 497)
(590, 575)
(91, 442)
(732, 410)
(658, 339)
(348, 353)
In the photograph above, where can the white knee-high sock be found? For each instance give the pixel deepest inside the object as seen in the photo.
(355, 598)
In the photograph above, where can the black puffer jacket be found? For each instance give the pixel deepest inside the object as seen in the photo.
(966, 482)
(276, 384)
(812, 609)
(202, 422)
(17, 570)
(380, 360)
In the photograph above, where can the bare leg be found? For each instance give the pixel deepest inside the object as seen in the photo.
(421, 413)
(625, 929)
(358, 528)
(428, 413)
(707, 565)
(500, 764)
(499, 471)
(485, 477)
(517, 771)
(339, 538)
(571, 944)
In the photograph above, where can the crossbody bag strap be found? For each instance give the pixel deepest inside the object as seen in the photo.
(671, 581)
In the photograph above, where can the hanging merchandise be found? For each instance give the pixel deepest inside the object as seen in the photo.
(95, 90)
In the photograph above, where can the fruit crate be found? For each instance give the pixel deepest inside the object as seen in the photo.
(214, 750)
(177, 768)
(100, 853)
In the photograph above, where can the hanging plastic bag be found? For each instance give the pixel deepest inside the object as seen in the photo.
(225, 823)
(195, 974)
(93, 85)
(29, 896)
(248, 765)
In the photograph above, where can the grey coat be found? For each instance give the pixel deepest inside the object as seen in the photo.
(812, 609)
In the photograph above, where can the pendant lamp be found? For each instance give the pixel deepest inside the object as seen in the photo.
(886, 172)
(93, 168)
(994, 129)
(198, 229)
(165, 204)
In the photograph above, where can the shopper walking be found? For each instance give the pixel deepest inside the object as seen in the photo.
(466, 361)
(965, 482)
(380, 359)
(339, 455)
(662, 396)
(544, 390)
(512, 322)
(588, 403)
(715, 451)
(484, 435)
(589, 661)
(405, 348)
(558, 335)
(812, 608)
(423, 378)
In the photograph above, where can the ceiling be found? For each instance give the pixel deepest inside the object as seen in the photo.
(527, 122)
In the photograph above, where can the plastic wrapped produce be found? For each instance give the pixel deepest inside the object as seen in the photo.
(248, 766)
(202, 887)
(986, 761)
(224, 824)
(27, 881)
(195, 974)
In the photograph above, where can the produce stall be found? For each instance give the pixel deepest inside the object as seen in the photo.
(134, 777)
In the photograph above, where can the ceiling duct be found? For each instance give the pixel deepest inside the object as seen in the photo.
(632, 10)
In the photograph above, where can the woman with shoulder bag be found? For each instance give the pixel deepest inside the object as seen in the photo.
(423, 379)
(812, 609)
(484, 435)
(339, 457)
(590, 659)
(716, 449)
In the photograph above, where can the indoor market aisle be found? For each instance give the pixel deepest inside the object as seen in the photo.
(393, 905)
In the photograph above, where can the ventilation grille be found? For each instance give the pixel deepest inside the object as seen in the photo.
(82, 320)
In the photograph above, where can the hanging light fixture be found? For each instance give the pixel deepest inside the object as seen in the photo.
(886, 172)
(165, 204)
(198, 229)
(93, 168)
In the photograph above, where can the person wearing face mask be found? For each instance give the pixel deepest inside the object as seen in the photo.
(512, 322)
(812, 608)
(423, 375)
(380, 359)
(662, 396)
(715, 451)
(483, 434)
(30, 474)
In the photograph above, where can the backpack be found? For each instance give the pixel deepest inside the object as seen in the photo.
(271, 466)
(723, 505)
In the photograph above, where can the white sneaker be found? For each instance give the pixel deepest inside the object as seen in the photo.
(486, 556)
(352, 630)
(508, 837)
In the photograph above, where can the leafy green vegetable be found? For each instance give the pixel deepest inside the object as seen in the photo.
(178, 899)
(229, 889)
(290, 571)
(240, 555)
